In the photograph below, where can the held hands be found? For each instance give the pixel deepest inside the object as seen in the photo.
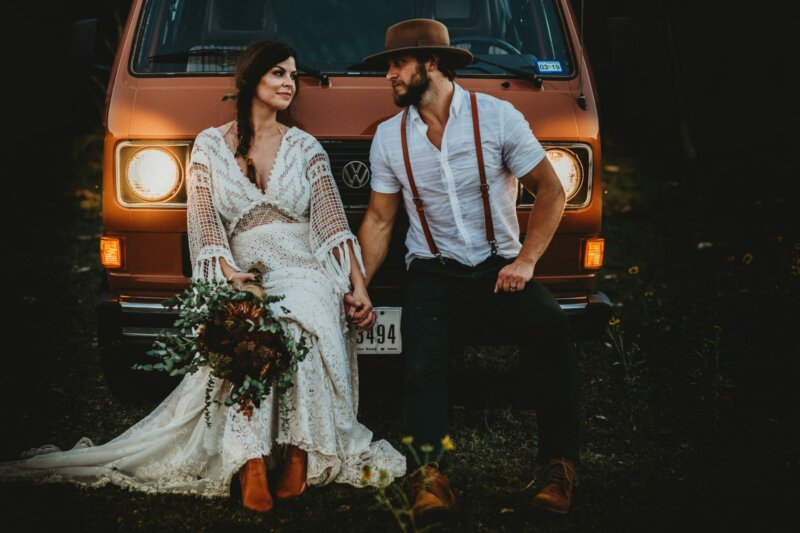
(358, 308)
(513, 277)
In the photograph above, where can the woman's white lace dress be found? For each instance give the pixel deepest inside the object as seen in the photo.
(292, 228)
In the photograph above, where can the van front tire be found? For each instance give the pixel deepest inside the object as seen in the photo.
(129, 385)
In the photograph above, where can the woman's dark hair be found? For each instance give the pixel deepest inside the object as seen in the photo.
(252, 64)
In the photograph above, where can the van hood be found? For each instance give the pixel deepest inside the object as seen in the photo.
(170, 108)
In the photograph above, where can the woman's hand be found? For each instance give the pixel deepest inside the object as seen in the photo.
(237, 279)
(358, 308)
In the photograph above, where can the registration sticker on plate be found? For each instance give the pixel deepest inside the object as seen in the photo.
(384, 337)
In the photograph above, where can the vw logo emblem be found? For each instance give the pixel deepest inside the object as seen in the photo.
(355, 174)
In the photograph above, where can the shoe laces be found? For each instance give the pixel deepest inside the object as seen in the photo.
(558, 471)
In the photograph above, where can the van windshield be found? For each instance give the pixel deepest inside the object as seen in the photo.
(201, 37)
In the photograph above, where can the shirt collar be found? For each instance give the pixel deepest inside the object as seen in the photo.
(460, 96)
(456, 104)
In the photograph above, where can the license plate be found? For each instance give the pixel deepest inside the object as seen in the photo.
(384, 336)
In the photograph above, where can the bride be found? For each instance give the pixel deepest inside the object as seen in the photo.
(257, 191)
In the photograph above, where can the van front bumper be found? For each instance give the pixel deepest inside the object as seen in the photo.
(138, 319)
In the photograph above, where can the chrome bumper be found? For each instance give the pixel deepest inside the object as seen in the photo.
(589, 314)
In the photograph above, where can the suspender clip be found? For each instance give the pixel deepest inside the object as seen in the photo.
(441, 259)
(493, 244)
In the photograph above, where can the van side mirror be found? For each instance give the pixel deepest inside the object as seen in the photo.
(84, 44)
(625, 43)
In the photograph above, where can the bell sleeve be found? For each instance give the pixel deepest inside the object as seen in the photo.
(208, 241)
(330, 232)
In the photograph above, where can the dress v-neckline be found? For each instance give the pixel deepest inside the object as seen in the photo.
(241, 174)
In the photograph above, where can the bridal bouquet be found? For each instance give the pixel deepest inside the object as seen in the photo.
(235, 333)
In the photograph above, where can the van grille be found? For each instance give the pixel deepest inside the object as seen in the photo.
(342, 152)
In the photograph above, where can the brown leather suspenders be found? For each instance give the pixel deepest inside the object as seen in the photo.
(487, 212)
(414, 193)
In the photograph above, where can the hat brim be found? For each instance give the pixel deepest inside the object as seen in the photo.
(450, 56)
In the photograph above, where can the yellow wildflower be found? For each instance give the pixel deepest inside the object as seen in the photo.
(633, 270)
(747, 258)
(408, 440)
(614, 321)
(426, 448)
(648, 294)
(447, 444)
(366, 474)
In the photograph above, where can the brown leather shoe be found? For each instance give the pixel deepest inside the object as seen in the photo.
(255, 489)
(293, 477)
(558, 478)
(433, 498)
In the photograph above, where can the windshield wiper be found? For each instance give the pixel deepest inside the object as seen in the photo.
(527, 76)
(314, 73)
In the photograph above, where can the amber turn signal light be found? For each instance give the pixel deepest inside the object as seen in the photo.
(111, 252)
(593, 254)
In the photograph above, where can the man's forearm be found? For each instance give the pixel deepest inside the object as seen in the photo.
(542, 223)
(374, 237)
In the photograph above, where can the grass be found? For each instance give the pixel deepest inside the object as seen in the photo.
(698, 428)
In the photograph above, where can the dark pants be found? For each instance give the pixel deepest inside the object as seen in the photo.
(438, 301)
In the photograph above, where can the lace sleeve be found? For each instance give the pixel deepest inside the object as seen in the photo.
(207, 239)
(328, 223)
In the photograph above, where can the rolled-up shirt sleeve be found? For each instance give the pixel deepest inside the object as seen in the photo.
(383, 179)
(522, 151)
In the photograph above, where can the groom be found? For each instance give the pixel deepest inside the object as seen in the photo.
(454, 159)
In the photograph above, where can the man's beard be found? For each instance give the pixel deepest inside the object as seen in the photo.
(414, 91)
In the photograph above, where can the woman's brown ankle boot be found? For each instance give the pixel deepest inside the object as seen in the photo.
(293, 477)
(255, 489)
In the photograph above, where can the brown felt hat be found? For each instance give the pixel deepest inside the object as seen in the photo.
(420, 34)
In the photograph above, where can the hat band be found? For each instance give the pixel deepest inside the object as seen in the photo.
(418, 42)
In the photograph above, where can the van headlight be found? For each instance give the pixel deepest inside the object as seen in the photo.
(568, 168)
(152, 173)
(573, 165)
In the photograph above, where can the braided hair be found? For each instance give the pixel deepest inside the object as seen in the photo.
(251, 65)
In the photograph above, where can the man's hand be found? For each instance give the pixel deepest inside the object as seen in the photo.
(513, 277)
(358, 308)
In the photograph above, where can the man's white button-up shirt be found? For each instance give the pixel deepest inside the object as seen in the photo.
(448, 181)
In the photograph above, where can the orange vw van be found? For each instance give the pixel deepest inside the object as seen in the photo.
(173, 68)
